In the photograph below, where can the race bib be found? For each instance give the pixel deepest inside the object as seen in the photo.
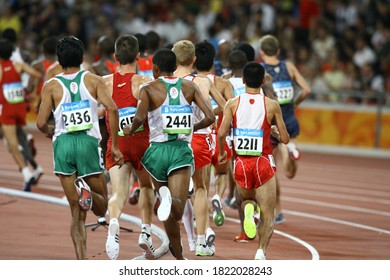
(177, 119)
(284, 91)
(13, 92)
(77, 116)
(126, 116)
(239, 91)
(248, 142)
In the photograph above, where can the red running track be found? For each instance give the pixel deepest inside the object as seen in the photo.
(337, 208)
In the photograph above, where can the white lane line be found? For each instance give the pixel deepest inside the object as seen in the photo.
(336, 195)
(337, 221)
(160, 233)
(334, 205)
(315, 185)
(314, 253)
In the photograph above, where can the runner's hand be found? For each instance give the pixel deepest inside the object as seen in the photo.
(126, 130)
(117, 156)
(222, 158)
(275, 132)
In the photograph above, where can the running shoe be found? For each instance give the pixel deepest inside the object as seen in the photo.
(192, 245)
(112, 242)
(249, 221)
(164, 210)
(203, 250)
(279, 219)
(28, 184)
(146, 243)
(210, 237)
(242, 238)
(231, 202)
(260, 255)
(218, 214)
(191, 188)
(294, 152)
(38, 172)
(134, 194)
(84, 191)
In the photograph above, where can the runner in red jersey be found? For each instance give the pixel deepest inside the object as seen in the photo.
(13, 107)
(251, 115)
(124, 86)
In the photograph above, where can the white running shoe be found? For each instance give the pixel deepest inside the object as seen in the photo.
(164, 210)
(260, 255)
(210, 237)
(38, 172)
(293, 150)
(146, 243)
(203, 250)
(192, 245)
(112, 242)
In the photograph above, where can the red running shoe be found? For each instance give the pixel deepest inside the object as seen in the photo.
(84, 191)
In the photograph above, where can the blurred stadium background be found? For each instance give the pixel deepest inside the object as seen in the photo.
(342, 48)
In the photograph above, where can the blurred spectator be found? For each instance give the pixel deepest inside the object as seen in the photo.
(9, 19)
(323, 43)
(334, 78)
(364, 54)
(372, 84)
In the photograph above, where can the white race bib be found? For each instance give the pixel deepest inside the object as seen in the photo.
(13, 92)
(126, 116)
(248, 142)
(77, 116)
(284, 91)
(177, 119)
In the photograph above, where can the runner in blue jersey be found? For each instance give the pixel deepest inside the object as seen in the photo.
(285, 78)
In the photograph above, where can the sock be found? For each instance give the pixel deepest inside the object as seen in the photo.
(26, 173)
(145, 228)
(201, 239)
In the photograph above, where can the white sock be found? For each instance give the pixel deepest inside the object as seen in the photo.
(188, 220)
(145, 228)
(260, 254)
(26, 173)
(201, 239)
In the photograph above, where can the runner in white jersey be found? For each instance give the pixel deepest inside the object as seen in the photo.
(169, 159)
(205, 54)
(201, 143)
(78, 160)
(237, 60)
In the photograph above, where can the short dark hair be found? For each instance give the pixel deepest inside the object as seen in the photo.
(70, 52)
(126, 49)
(248, 50)
(141, 41)
(49, 45)
(152, 40)
(106, 45)
(237, 60)
(205, 55)
(165, 60)
(10, 34)
(253, 74)
(6, 48)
